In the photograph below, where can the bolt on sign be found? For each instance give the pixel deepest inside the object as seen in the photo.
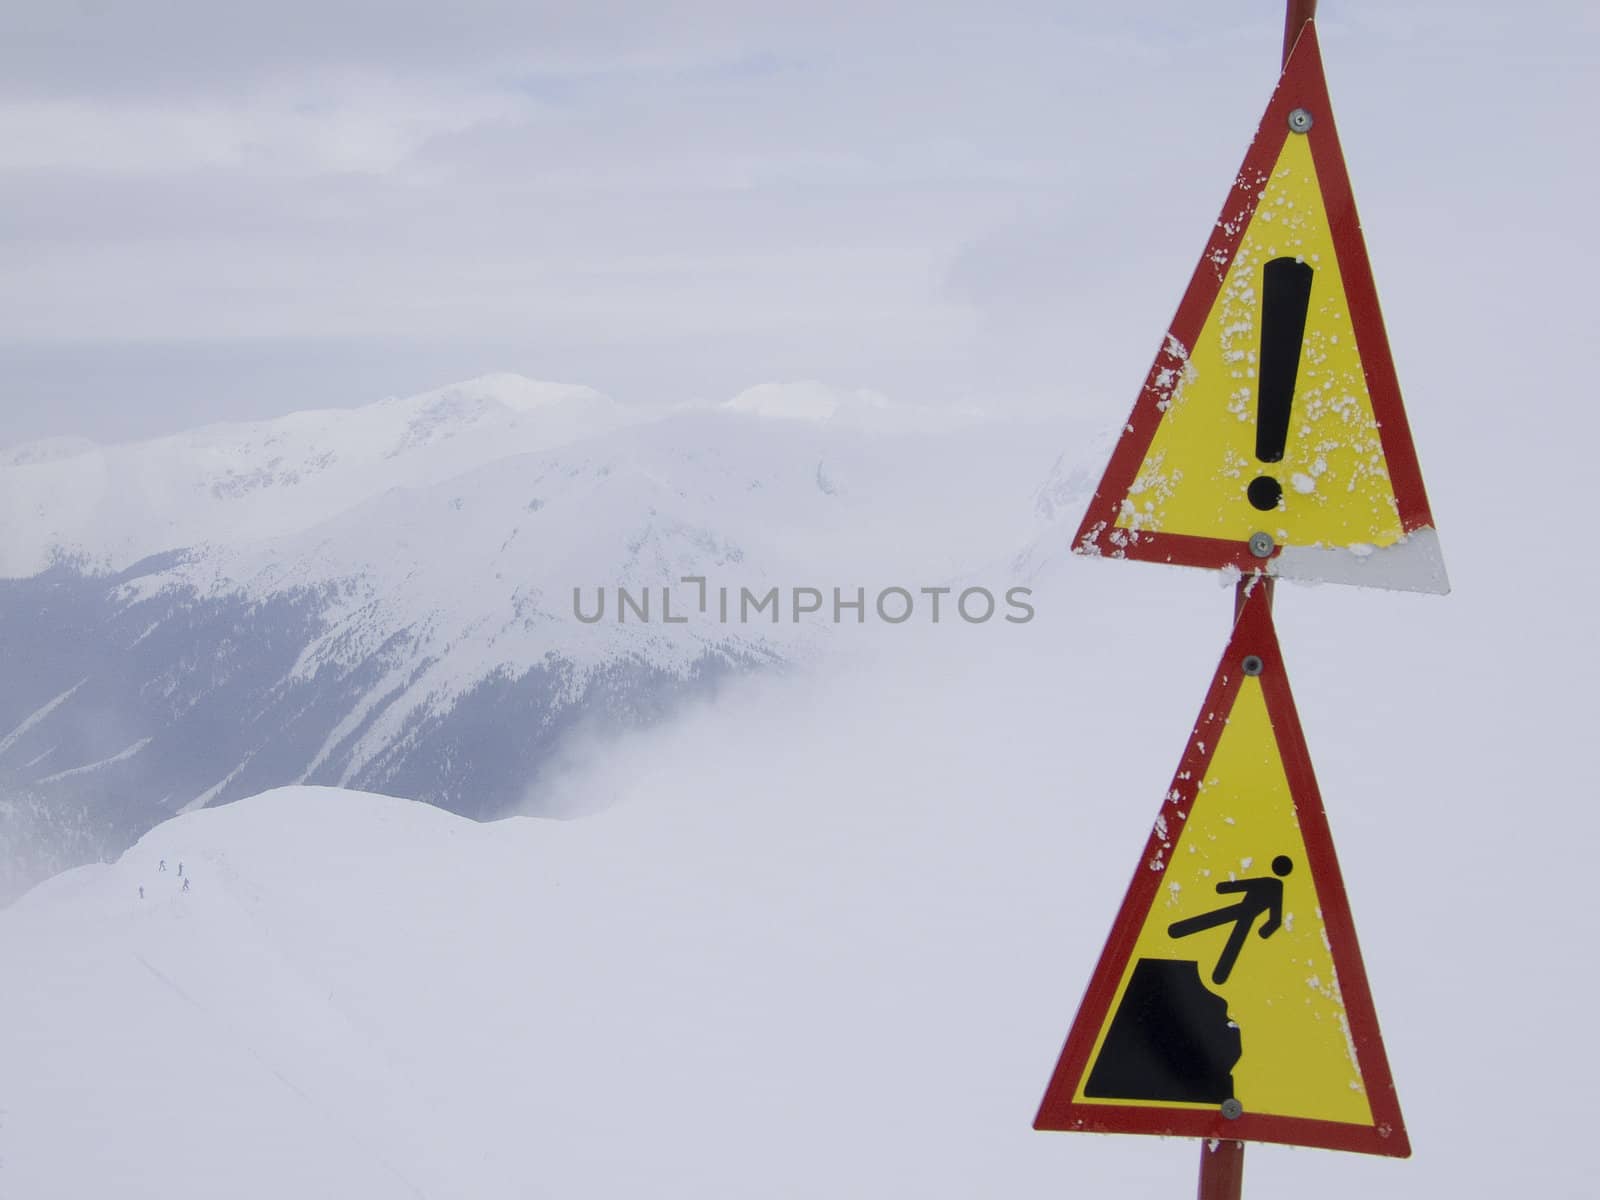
(1270, 434)
(1230, 1000)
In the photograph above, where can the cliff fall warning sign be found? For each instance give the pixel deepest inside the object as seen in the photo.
(1230, 1000)
(1270, 433)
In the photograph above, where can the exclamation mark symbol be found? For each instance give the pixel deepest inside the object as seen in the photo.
(1285, 297)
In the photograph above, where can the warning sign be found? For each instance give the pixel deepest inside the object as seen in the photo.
(1230, 1000)
(1270, 434)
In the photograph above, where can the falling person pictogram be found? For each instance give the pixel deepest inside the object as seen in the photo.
(1263, 894)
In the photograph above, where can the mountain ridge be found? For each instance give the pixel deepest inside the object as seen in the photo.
(417, 631)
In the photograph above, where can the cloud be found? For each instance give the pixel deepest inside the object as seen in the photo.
(312, 127)
(683, 199)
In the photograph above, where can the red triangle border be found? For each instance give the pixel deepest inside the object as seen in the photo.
(1302, 85)
(1253, 633)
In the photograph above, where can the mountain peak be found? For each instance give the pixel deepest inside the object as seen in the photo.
(45, 450)
(802, 400)
(507, 389)
(811, 401)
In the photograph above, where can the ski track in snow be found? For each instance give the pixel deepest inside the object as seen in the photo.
(38, 715)
(121, 756)
(221, 1031)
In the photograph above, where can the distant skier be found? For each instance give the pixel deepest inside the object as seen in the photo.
(163, 865)
(141, 891)
(180, 868)
(186, 885)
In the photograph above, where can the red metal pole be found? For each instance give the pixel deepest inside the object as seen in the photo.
(1221, 1159)
(1294, 20)
(1221, 1170)
(1248, 584)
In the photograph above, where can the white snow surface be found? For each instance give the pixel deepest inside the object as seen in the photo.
(106, 507)
(859, 408)
(823, 935)
(1414, 564)
(109, 506)
(463, 519)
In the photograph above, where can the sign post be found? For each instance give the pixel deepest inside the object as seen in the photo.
(1230, 1002)
(1269, 436)
(1222, 1161)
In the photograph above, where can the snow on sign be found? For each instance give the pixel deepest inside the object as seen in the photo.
(1230, 1000)
(1270, 433)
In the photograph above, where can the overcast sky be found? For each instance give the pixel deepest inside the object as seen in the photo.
(217, 211)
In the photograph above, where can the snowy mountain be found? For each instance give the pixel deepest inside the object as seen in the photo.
(107, 507)
(825, 937)
(823, 930)
(396, 597)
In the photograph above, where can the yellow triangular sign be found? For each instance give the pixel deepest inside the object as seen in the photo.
(1230, 1000)
(1270, 433)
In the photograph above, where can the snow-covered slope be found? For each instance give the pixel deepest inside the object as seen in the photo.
(391, 605)
(823, 938)
(107, 507)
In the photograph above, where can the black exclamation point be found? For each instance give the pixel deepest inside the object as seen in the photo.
(1285, 296)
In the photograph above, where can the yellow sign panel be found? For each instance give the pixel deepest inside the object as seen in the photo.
(1270, 434)
(1230, 1000)
(1238, 920)
(1330, 480)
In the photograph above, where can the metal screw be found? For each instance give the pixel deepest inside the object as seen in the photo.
(1232, 1109)
(1252, 664)
(1261, 545)
(1300, 121)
